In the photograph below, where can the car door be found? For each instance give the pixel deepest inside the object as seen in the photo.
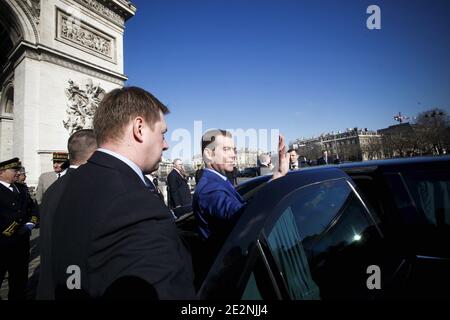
(322, 242)
(422, 197)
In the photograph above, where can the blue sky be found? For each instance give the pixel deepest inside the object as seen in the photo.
(305, 67)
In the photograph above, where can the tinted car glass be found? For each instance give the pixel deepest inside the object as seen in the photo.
(323, 235)
(431, 193)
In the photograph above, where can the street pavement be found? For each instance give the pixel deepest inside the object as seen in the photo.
(33, 271)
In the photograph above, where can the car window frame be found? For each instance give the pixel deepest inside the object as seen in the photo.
(272, 218)
(262, 251)
(278, 211)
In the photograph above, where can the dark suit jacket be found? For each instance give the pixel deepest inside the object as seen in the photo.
(321, 161)
(46, 285)
(180, 193)
(120, 235)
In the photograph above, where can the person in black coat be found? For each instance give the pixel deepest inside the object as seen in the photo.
(198, 174)
(113, 237)
(232, 176)
(81, 145)
(324, 159)
(18, 216)
(293, 159)
(179, 190)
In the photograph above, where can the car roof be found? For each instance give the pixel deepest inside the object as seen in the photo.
(365, 166)
(396, 161)
(261, 179)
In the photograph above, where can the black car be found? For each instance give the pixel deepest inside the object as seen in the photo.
(250, 172)
(373, 230)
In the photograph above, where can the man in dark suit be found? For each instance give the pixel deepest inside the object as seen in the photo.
(293, 159)
(18, 216)
(113, 237)
(198, 174)
(180, 192)
(81, 145)
(324, 159)
(232, 176)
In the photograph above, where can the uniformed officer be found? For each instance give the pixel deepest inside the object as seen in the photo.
(60, 164)
(18, 216)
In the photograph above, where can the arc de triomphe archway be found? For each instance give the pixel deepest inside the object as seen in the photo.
(57, 58)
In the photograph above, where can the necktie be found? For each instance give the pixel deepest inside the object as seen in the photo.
(150, 185)
(59, 175)
(153, 188)
(14, 189)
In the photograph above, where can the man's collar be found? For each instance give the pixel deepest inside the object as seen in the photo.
(179, 172)
(130, 163)
(60, 174)
(216, 172)
(6, 184)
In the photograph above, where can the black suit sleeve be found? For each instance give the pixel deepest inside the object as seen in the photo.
(32, 209)
(140, 242)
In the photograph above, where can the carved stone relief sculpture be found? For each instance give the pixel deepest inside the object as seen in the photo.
(74, 32)
(81, 105)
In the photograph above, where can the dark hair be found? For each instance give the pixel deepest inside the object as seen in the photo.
(210, 136)
(119, 106)
(81, 144)
(292, 149)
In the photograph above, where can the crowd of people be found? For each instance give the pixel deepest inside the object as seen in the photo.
(104, 225)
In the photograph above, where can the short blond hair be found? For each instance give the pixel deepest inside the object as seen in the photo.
(120, 106)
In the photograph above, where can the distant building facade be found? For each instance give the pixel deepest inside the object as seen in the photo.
(352, 145)
(246, 158)
(165, 166)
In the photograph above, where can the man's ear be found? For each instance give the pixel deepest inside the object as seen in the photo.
(207, 155)
(137, 127)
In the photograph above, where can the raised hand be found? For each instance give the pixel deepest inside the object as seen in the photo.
(283, 161)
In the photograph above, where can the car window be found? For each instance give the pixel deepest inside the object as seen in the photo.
(286, 245)
(431, 193)
(261, 284)
(251, 291)
(321, 227)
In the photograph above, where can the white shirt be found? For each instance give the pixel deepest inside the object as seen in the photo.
(10, 186)
(6, 184)
(59, 175)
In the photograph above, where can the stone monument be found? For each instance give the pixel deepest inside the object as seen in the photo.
(57, 60)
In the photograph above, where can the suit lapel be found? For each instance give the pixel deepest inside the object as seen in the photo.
(226, 182)
(180, 175)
